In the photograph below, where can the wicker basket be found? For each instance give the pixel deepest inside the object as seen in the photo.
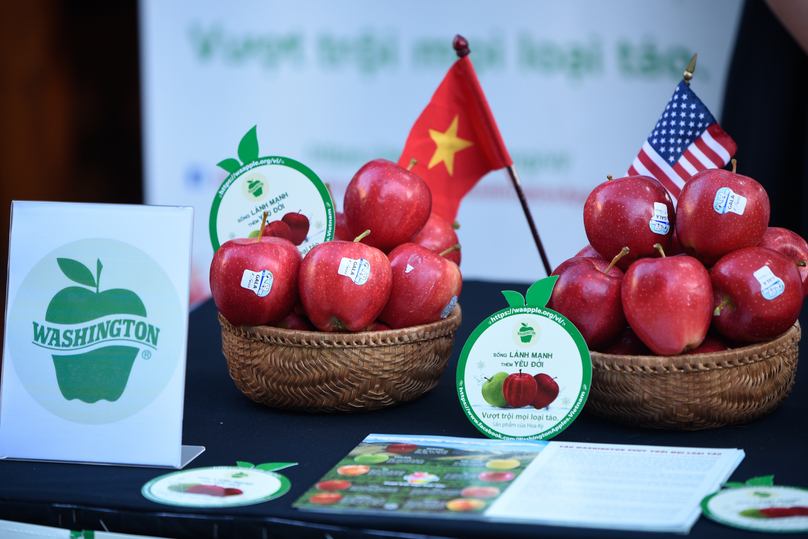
(698, 391)
(330, 372)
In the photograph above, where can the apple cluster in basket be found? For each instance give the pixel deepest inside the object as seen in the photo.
(392, 264)
(706, 276)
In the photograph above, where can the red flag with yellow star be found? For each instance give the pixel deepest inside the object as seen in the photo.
(455, 140)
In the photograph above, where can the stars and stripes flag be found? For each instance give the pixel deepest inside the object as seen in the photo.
(686, 139)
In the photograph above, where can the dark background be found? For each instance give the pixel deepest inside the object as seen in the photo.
(69, 105)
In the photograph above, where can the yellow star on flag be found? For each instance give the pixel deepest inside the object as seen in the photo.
(448, 145)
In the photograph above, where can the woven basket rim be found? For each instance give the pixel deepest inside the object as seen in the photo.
(326, 339)
(750, 353)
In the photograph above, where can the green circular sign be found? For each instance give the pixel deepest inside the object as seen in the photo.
(217, 486)
(288, 191)
(519, 352)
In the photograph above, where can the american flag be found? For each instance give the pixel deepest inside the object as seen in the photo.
(686, 139)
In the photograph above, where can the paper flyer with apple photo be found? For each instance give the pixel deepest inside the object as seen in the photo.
(628, 487)
(525, 372)
(297, 203)
(450, 477)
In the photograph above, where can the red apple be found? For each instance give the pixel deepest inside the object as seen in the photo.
(790, 244)
(496, 476)
(341, 227)
(758, 294)
(278, 229)
(325, 498)
(589, 252)
(628, 344)
(391, 201)
(333, 484)
(438, 235)
(719, 212)
(519, 389)
(401, 448)
(547, 391)
(255, 281)
(633, 211)
(668, 302)
(378, 326)
(588, 293)
(713, 342)
(296, 321)
(298, 226)
(425, 287)
(344, 285)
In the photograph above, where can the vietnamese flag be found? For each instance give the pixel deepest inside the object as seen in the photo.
(455, 140)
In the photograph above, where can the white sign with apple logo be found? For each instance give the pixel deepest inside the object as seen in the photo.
(96, 332)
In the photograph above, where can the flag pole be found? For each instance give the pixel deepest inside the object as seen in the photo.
(461, 47)
(690, 69)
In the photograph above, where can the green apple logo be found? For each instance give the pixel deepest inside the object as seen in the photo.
(102, 372)
(97, 331)
(526, 333)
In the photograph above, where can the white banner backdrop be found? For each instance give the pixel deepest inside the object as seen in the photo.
(575, 87)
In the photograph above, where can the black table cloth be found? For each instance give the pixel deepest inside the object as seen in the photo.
(233, 428)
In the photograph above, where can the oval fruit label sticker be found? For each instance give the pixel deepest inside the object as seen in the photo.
(297, 203)
(525, 371)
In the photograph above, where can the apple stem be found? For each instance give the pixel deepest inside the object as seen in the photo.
(609, 177)
(659, 248)
(455, 247)
(455, 225)
(362, 236)
(802, 263)
(623, 252)
(717, 311)
(263, 223)
(412, 163)
(734, 165)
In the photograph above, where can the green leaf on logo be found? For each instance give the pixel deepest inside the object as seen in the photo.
(77, 272)
(539, 292)
(230, 165)
(514, 299)
(248, 147)
(242, 464)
